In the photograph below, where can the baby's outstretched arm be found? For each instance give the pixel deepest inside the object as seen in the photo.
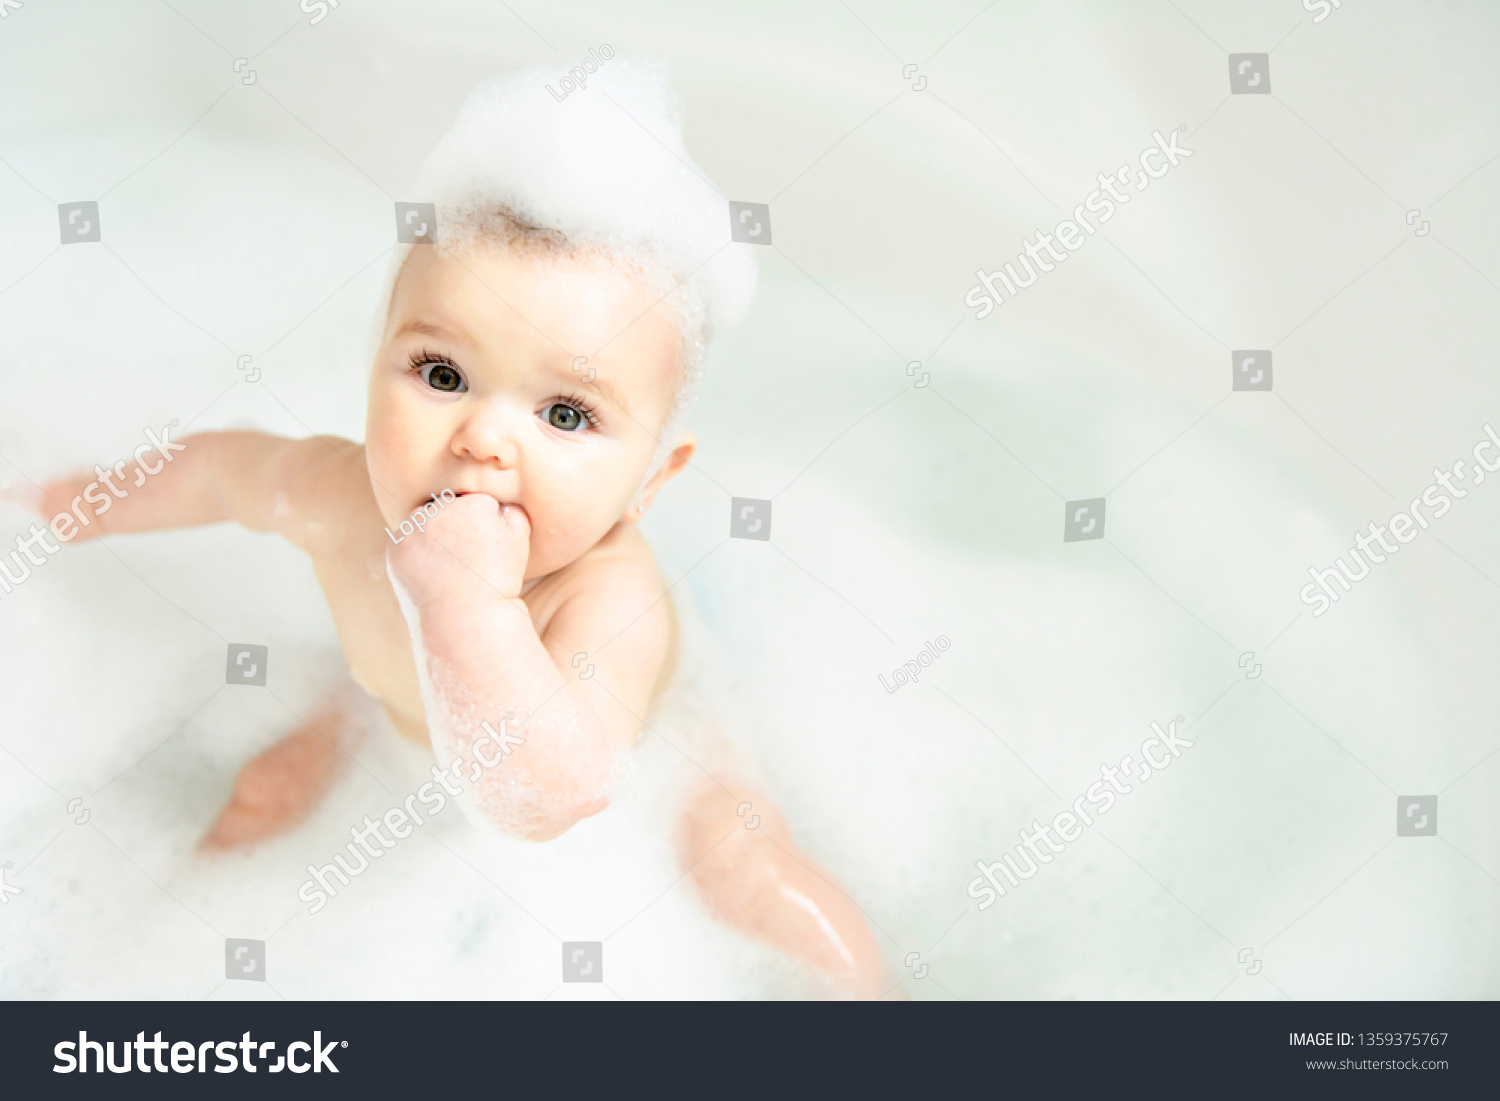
(480, 658)
(258, 480)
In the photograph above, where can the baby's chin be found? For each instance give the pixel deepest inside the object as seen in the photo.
(551, 554)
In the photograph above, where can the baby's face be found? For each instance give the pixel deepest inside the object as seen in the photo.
(474, 390)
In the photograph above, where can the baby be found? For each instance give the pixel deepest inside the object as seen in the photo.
(535, 359)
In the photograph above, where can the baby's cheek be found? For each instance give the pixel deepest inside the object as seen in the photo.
(392, 455)
(562, 533)
(555, 540)
(574, 504)
(381, 442)
(387, 495)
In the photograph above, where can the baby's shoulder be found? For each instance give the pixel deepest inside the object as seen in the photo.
(622, 557)
(616, 579)
(321, 489)
(621, 560)
(612, 597)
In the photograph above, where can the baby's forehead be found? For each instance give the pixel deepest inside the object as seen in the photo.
(581, 306)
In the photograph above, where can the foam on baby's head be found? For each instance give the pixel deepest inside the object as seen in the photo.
(603, 170)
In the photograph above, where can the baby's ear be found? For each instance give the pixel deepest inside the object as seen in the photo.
(669, 469)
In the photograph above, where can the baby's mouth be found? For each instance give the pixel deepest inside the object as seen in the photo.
(504, 504)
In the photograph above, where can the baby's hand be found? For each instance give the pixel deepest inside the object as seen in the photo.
(54, 497)
(23, 495)
(472, 550)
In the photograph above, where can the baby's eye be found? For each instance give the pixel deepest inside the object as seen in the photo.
(442, 376)
(564, 417)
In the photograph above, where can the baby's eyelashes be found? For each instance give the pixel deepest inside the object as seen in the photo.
(567, 412)
(438, 372)
(570, 413)
(566, 418)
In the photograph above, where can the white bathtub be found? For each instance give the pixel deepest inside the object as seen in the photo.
(257, 230)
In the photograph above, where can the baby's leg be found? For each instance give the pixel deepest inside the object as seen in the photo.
(281, 787)
(759, 881)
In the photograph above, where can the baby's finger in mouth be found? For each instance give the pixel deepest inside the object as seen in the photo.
(474, 545)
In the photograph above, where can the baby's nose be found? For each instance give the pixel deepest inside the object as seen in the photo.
(506, 452)
(489, 440)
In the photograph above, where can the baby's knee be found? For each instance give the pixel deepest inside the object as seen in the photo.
(557, 822)
(714, 815)
(541, 816)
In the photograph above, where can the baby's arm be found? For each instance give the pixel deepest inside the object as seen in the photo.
(258, 480)
(479, 658)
